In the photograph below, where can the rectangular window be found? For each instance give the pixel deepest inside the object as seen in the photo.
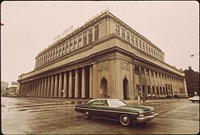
(152, 73)
(84, 38)
(153, 90)
(96, 29)
(136, 41)
(117, 30)
(132, 39)
(149, 90)
(71, 45)
(80, 40)
(136, 68)
(75, 43)
(140, 46)
(90, 36)
(123, 33)
(128, 36)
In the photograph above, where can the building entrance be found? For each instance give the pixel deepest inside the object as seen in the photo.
(125, 88)
(104, 83)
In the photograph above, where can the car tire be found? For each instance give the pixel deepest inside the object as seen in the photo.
(86, 114)
(124, 119)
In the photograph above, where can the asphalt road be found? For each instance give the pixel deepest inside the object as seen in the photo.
(57, 116)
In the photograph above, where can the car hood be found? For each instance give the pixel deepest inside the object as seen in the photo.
(138, 108)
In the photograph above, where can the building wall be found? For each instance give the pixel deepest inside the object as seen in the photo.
(118, 62)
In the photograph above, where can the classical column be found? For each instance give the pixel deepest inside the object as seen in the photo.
(38, 91)
(76, 83)
(48, 86)
(83, 83)
(42, 87)
(52, 84)
(45, 87)
(60, 86)
(56, 86)
(70, 84)
(65, 85)
(34, 88)
(31, 86)
(91, 81)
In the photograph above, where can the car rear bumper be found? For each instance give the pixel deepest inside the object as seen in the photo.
(146, 118)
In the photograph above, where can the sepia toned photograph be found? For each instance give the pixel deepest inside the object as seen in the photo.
(99, 67)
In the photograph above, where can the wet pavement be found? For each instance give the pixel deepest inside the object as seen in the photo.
(57, 116)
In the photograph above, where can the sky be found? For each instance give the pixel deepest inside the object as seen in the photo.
(30, 27)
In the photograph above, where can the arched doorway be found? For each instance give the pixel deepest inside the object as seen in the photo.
(104, 83)
(125, 88)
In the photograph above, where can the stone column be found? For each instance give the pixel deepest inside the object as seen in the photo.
(56, 86)
(70, 84)
(45, 87)
(65, 85)
(48, 86)
(76, 83)
(83, 83)
(39, 87)
(91, 81)
(36, 88)
(42, 87)
(60, 86)
(52, 84)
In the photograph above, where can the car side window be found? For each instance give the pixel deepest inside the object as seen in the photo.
(100, 103)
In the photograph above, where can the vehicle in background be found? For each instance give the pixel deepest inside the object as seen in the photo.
(194, 99)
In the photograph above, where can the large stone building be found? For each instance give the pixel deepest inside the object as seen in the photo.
(103, 58)
(192, 81)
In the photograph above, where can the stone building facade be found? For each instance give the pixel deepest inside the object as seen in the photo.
(103, 58)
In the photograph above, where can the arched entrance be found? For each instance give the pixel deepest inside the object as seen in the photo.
(104, 83)
(125, 88)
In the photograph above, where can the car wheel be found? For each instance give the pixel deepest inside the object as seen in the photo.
(124, 119)
(86, 114)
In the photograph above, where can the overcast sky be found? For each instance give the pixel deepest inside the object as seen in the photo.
(30, 27)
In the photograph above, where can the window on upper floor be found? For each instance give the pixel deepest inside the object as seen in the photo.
(75, 43)
(143, 48)
(96, 32)
(140, 45)
(136, 41)
(146, 47)
(132, 39)
(128, 36)
(156, 74)
(136, 68)
(123, 33)
(142, 70)
(152, 73)
(117, 30)
(80, 40)
(85, 38)
(71, 45)
(90, 35)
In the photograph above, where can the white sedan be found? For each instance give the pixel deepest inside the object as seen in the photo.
(194, 99)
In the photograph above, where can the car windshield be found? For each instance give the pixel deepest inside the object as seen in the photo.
(116, 103)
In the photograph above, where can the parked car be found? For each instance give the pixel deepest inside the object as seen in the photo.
(194, 99)
(117, 110)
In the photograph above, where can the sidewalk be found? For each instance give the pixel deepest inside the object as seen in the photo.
(156, 101)
(60, 100)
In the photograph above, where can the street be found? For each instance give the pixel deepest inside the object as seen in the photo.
(57, 116)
